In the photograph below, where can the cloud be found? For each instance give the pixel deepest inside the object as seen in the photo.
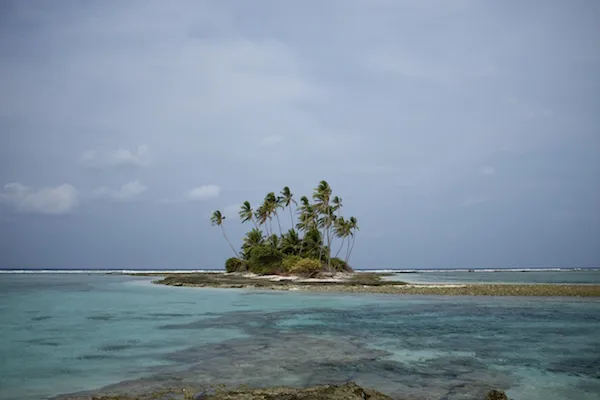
(128, 191)
(408, 66)
(200, 193)
(50, 200)
(535, 114)
(473, 201)
(204, 193)
(115, 158)
(272, 140)
(527, 111)
(420, 67)
(487, 170)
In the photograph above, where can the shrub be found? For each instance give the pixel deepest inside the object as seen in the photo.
(340, 265)
(234, 264)
(306, 266)
(265, 260)
(289, 262)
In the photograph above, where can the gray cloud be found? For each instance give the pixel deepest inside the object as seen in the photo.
(199, 193)
(128, 191)
(48, 200)
(115, 158)
(204, 192)
(413, 111)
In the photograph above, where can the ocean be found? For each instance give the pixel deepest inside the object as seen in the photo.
(63, 333)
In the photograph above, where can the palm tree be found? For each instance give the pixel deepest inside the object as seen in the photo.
(290, 242)
(217, 219)
(275, 241)
(342, 230)
(313, 243)
(262, 215)
(353, 228)
(322, 195)
(271, 204)
(307, 218)
(287, 197)
(247, 213)
(251, 240)
(337, 205)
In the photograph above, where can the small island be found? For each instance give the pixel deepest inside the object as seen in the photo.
(306, 248)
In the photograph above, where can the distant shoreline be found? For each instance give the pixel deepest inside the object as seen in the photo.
(372, 283)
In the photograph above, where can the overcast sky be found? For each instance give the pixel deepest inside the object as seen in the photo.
(460, 133)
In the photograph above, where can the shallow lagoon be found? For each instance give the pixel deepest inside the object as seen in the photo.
(66, 333)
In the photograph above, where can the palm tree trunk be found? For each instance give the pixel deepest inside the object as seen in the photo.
(230, 245)
(329, 247)
(347, 251)
(321, 247)
(329, 239)
(302, 244)
(351, 248)
(291, 217)
(279, 223)
(341, 245)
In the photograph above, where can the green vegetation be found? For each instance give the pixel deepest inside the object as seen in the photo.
(306, 248)
(234, 264)
(306, 266)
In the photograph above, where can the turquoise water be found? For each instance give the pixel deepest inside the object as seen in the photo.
(68, 333)
(533, 277)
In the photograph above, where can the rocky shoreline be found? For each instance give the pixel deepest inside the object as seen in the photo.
(346, 391)
(372, 283)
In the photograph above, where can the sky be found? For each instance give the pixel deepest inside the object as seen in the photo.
(460, 133)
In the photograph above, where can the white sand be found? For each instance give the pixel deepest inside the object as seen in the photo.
(339, 277)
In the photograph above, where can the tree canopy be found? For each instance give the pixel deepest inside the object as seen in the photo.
(306, 248)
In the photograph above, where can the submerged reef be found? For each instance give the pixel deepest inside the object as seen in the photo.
(346, 391)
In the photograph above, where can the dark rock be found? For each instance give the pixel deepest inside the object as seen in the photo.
(495, 395)
(347, 391)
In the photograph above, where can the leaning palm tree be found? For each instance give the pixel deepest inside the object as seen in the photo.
(337, 205)
(342, 230)
(287, 199)
(247, 213)
(308, 216)
(353, 228)
(262, 215)
(271, 204)
(217, 219)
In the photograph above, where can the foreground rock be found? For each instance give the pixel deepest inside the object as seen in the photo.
(496, 395)
(347, 391)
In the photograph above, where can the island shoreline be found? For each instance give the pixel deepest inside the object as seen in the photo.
(372, 283)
